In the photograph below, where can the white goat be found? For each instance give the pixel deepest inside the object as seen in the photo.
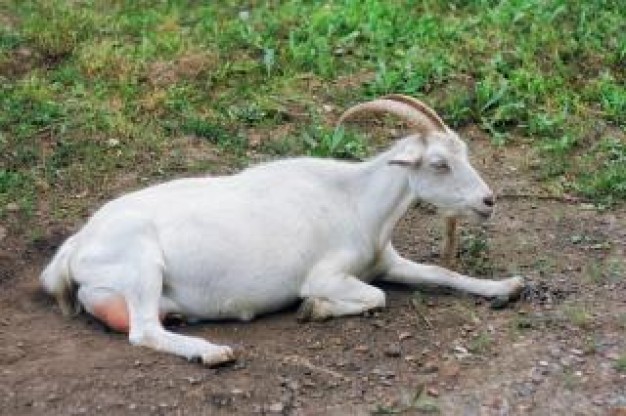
(240, 246)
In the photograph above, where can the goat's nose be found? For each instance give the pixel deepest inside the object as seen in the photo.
(489, 201)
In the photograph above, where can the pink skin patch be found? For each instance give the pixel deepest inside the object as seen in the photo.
(113, 313)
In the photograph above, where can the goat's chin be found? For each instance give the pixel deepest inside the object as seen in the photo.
(470, 214)
(479, 217)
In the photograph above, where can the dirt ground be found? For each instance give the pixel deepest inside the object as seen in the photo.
(557, 351)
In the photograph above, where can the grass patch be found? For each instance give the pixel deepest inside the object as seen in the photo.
(620, 364)
(77, 76)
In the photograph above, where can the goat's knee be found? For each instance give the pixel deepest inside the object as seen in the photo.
(350, 297)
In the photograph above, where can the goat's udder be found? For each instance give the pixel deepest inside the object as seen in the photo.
(113, 313)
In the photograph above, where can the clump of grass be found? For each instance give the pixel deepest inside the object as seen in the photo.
(481, 343)
(605, 179)
(620, 364)
(474, 255)
(82, 73)
(578, 316)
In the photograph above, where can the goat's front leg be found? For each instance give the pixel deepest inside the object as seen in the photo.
(397, 269)
(326, 296)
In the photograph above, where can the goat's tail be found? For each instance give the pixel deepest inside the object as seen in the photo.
(57, 281)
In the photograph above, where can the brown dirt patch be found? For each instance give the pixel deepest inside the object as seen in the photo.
(553, 352)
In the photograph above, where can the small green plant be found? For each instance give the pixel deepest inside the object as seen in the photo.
(578, 316)
(620, 364)
(475, 252)
(339, 143)
(605, 178)
(481, 343)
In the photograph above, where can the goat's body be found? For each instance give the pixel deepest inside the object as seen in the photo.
(226, 250)
(239, 246)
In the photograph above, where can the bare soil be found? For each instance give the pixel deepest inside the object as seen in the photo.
(554, 352)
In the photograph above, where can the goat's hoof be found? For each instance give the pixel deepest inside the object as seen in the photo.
(517, 287)
(312, 309)
(305, 311)
(217, 356)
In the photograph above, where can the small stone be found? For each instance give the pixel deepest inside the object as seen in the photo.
(132, 406)
(460, 349)
(597, 401)
(432, 391)
(3, 233)
(401, 337)
(577, 352)
(555, 352)
(277, 407)
(193, 380)
(361, 348)
(112, 142)
(236, 392)
(12, 207)
(543, 363)
(429, 367)
(450, 370)
(393, 350)
(378, 323)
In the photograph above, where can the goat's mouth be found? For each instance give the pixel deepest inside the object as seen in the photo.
(484, 215)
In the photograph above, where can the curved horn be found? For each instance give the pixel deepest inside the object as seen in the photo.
(406, 112)
(421, 107)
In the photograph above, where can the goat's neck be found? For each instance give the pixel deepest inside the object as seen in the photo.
(382, 195)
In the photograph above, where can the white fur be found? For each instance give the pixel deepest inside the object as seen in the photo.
(255, 242)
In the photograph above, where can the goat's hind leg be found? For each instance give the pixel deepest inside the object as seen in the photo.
(123, 288)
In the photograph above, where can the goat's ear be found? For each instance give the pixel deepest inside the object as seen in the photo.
(411, 156)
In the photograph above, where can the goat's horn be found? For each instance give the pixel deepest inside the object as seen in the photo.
(406, 112)
(421, 107)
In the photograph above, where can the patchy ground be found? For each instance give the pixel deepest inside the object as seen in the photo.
(559, 350)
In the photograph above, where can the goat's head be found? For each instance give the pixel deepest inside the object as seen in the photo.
(435, 158)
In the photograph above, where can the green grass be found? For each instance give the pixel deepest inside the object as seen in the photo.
(620, 364)
(77, 76)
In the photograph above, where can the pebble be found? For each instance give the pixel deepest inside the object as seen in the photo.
(393, 350)
(432, 391)
(555, 352)
(3, 233)
(361, 348)
(402, 336)
(460, 349)
(450, 370)
(193, 380)
(543, 363)
(12, 207)
(277, 407)
(430, 367)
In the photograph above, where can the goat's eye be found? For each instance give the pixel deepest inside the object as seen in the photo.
(440, 166)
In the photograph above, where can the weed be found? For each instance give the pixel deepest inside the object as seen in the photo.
(322, 141)
(481, 343)
(620, 364)
(81, 73)
(578, 316)
(475, 252)
(605, 180)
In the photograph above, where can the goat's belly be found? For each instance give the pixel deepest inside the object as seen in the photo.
(216, 298)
